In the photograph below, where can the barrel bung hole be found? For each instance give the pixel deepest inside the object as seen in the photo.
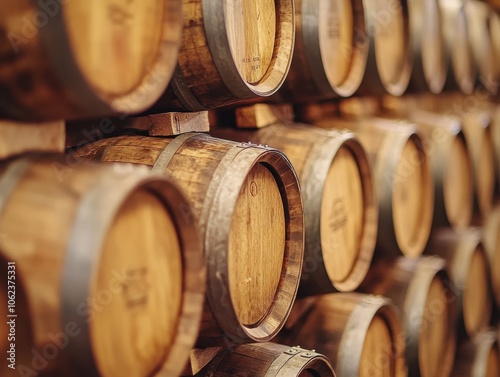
(477, 295)
(342, 216)
(251, 28)
(136, 293)
(124, 33)
(256, 246)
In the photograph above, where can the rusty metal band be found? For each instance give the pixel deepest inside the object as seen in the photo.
(171, 149)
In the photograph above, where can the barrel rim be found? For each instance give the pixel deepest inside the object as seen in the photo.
(218, 42)
(363, 315)
(485, 341)
(152, 86)
(216, 244)
(79, 269)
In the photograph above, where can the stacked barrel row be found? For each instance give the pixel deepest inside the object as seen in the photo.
(167, 244)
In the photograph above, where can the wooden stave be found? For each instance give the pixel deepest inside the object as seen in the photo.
(318, 150)
(102, 187)
(454, 21)
(372, 83)
(228, 88)
(393, 278)
(307, 79)
(472, 356)
(458, 248)
(220, 324)
(72, 96)
(352, 316)
(423, 79)
(274, 360)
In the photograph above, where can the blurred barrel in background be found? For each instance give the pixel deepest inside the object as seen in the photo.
(422, 291)
(403, 181)
(469, 269)
(85, 59)
(339, 201)
(390, 57)
(246, 201)
(430, 66)
(462, 71)
(92, 300)
(330, 50)
(479, 357)
(230, 51)
(361, 334)
(268, 360)
(491, 240)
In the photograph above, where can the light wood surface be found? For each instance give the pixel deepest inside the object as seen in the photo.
(230, 51)
(390, 43)
(245, 201)
(268, 360)
(339, 201)
(251, 26)
(342, 216)
(144, 323)
(457, 185)
(361, 334)
(255, 259)
(433, 337)
(425, 296)
(86, 59)
(491, 240)
(121, 311)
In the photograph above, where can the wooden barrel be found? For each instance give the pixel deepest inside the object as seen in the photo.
(430, 66)
(339, 202)
(330, 52)
(491, 241)
(67, 59)
(422, 291)
(231, 51)
(361, 334)
(247, 202)
(469, 269)
(95, 305)
(480, 34)
(450, 160)
(268, 360)
(479, 357)
(403, 182)
(390, 57)
(462, 69)
(478, 132)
